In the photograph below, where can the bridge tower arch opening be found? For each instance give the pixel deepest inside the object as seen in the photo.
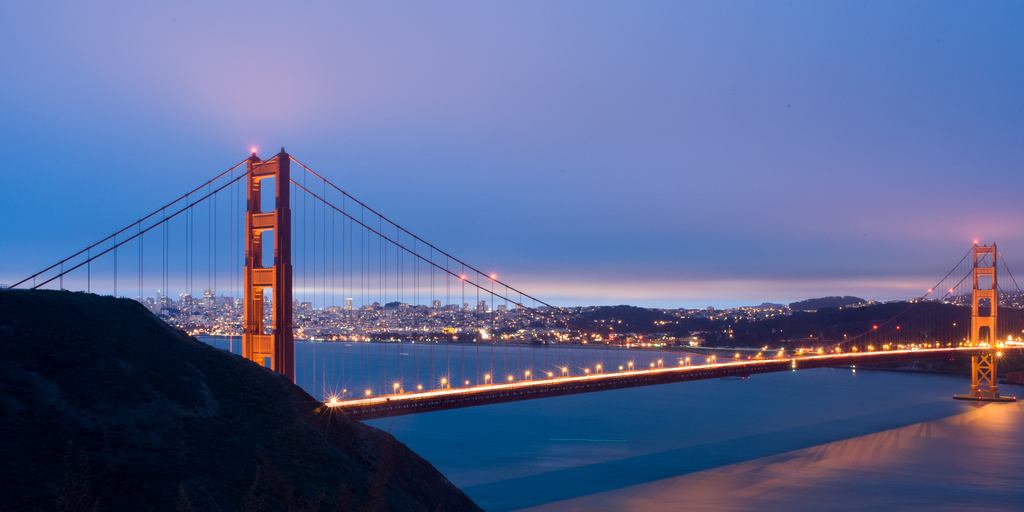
(984, 322)
(270, 345)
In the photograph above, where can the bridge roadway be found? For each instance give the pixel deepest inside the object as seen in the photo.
(451, 398)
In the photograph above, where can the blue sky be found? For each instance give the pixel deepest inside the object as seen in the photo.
(674, 153)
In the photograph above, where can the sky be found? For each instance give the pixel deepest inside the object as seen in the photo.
(659, 153)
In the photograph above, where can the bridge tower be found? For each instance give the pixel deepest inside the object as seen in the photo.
(271, 346)
(984, 319)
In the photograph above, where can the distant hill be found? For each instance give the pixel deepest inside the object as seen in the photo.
(621, 318)
(105, 407)
(824, 303)
(923, 321)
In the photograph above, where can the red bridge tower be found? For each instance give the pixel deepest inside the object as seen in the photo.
(273, 347)
(984, 319)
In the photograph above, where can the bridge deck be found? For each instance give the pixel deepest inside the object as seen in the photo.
(451, 398)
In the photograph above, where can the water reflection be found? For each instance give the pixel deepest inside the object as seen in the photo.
(970, 461)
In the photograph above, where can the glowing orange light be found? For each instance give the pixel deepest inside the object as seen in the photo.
(462, 276)
(253, 149)
(494, 277)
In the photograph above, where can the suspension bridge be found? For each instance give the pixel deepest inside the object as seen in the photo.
(265, 259)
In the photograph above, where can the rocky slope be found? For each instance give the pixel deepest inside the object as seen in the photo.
(105, 407)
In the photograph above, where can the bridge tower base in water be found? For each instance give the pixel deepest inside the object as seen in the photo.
(984, 316)
(273, 347)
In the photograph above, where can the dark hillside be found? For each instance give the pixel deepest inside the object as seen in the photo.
(825, 302)
(105, 407)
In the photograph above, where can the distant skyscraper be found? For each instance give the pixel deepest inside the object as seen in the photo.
(436, 304)
(348, 304)
(481, 306)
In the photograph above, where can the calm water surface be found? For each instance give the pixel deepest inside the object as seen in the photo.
(812, 439)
